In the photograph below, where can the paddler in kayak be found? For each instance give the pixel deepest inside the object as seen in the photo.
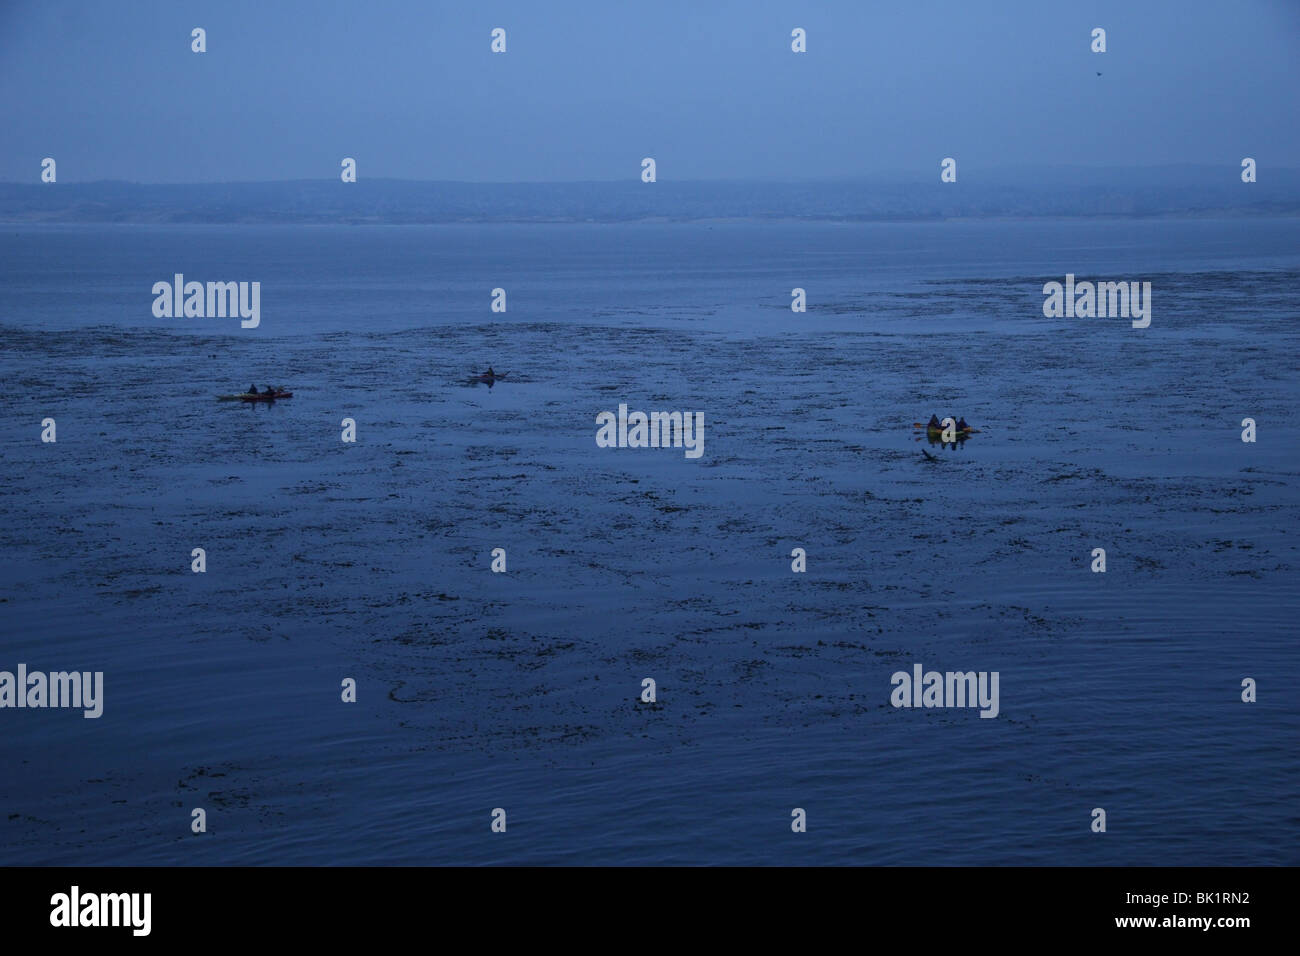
(961, 424)
(269, 391)
(252, 390)
(934, 422)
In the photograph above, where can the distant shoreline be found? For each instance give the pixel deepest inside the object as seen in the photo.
(1209, 215)
(1163, 193)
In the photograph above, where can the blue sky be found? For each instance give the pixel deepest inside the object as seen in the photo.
(586, 89)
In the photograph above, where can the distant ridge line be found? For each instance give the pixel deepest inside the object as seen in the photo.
(1028, 192)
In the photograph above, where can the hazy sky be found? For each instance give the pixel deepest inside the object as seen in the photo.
(709, 88)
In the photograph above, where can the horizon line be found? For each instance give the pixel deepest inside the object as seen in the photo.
(864, 178)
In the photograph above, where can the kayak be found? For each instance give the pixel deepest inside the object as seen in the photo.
(250, 397)
(935, 434)
(489, 379)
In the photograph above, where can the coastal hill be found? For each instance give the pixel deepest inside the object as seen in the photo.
(1008, 193)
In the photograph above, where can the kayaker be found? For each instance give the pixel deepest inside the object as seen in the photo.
(961, 425)
(269, 391)
(934, 422)
(252, 390)
(489, 373)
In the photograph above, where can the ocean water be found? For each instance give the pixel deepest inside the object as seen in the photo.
(521, 690)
